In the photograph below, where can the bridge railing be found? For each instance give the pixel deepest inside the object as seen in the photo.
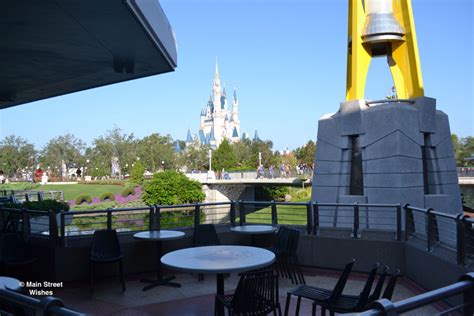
(358, 221)
(464, 287)
(465, 171)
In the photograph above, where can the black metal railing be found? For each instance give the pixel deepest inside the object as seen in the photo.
(14, 303)
(464, 287)
(357, 220)
(19, 196)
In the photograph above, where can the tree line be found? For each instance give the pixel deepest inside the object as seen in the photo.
(153, 153)
(463, 149)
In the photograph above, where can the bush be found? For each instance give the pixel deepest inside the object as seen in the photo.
(170, 188)
(273, 193)
(45, 205)
(105, 182)
(83, 198)
(136, 174)
(128, 191)
(107, 196)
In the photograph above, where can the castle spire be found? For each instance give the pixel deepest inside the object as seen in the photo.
(216, 76)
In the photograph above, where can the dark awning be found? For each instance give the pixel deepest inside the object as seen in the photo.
(50, 48)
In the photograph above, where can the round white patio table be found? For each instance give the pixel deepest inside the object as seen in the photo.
(218, 260)
(9, 283)
(254, 230)
(158, 236)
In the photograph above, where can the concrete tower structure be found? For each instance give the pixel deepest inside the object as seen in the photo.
(387, 151)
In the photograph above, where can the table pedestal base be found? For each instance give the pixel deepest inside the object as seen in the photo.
(160, 281)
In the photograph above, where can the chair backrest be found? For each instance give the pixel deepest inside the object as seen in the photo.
(364, 295)
(341, 283)
(282, 237)
(292, 244)
(105, 245)
(256, 293)
(205, 235)
(378, 288)
(13, 247)
(391, 285)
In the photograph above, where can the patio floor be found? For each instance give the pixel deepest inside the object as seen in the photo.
(197, 298)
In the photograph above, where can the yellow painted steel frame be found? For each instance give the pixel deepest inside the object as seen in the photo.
(403, 58)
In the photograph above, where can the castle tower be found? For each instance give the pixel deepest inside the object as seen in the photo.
(235, 121)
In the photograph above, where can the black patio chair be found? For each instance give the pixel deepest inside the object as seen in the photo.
(319, 295)
(256, 294)
(352, 303)
(292, 264)
(105, 249)
(14, 252)
(205, 235)
(390, 288)
(378, 288)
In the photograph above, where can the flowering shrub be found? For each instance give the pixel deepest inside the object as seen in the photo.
(107, 196)
(128, 191)
(81, 198)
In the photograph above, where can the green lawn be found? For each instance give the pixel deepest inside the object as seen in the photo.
(286, 214)
(71, 191)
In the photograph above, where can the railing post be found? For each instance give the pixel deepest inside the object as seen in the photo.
(460, 240)
(232, 213)
(109, 219)
(151, 215)
(355, 231)
(27, 197)
(468, 295)
(315, 218)
(309, 220)
(40, 196)
(157, 217)
(197, 215)
(242, 212)
(53, 226)
(409, 222)
(429, 222)
(399, 222)
(62, 227)
(274, 214)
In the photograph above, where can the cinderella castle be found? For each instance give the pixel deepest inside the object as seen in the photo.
(217, 120)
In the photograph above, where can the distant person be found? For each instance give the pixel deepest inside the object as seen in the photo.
(271, 171)
(260, 171)
(283, 170)
(78, 172)
(2, 177)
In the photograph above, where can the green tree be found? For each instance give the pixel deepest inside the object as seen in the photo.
(16, 154)
(171, 187)
(223, 157)
(306, 154)
(457, 148)
(467, 150)
(195, 158)
(156, 152)
(137, 173)
(114, 143)
(66, 148)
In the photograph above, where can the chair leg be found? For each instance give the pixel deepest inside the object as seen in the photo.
(121, 275)
(323, 311)
(298, 303)
(91, 276)
(287, 305)
(313, 310)
(279, 310)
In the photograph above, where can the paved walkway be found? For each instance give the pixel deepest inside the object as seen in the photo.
(197, 298)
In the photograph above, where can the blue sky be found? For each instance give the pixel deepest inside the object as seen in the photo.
(287, 60)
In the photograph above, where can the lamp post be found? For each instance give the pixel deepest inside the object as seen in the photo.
(162, 165)
(210, 174)
(259, 158)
